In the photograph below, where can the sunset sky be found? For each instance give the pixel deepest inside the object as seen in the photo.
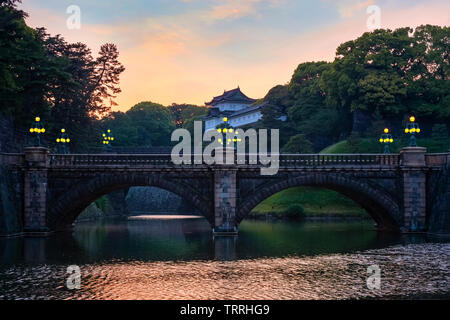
(187, 51)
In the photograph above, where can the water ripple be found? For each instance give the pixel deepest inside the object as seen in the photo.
(415, 270)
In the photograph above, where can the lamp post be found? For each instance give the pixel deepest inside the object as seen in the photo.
(107, 140)
(38, 128)
(386, 138)
(412, 128)
(62, 141)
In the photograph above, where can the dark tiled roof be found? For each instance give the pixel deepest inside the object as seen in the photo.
(234, 95)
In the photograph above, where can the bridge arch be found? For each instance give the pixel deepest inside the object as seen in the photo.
(66, 208)
(380, 205)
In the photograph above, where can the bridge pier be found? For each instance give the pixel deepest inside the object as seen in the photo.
(225, 201)
(35, 195)
(412, 166)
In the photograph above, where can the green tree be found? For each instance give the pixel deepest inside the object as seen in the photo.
(25, 69)
(298, 144)
(125, 132)
(322, 124)
(185, 112)
(274, 112)
(44, 75)
(87, 88)
(378, 125)
(154, 123)
(398, 72)
(439, 132)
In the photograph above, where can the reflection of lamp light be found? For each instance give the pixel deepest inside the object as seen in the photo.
(412, 128)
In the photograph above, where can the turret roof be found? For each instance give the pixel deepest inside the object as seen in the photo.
(234, 95)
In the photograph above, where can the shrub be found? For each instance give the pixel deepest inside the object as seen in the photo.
(298, 144)
(295, 212)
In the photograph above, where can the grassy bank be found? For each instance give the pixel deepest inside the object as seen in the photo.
(315, 201)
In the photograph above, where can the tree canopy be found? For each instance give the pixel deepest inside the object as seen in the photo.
(387, 74)
(62, 82)
(396, 72)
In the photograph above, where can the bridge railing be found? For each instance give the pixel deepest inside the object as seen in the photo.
(285, 160)
(109, 160)
(15, 159)
(338, 159)
(437, 159)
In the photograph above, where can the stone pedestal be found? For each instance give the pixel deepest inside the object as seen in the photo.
(413, 167)
(35, 193)
(225, 201)
(413, 156)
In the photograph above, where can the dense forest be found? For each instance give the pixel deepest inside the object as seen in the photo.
(375, 81)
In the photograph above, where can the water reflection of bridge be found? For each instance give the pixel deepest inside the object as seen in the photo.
(191, 239)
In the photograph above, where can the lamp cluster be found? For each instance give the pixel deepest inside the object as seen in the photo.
(107, 138)
(62, 140)
(412, 128)
(386, 138)
(37, 128)
(227, 128)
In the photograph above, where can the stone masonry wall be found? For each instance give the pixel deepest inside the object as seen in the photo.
(11, 193)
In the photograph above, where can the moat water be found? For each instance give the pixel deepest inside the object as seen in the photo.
(178, 258)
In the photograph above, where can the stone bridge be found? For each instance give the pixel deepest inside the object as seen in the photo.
(405, 192)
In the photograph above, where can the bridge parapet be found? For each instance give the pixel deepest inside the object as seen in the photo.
(83, 160)
(284, 160)
(12, 159)
(338, 159)
(437, 159)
